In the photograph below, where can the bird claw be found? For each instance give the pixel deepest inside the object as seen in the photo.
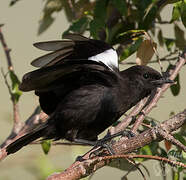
(128, 134)
(103, 146)
(102, 143)
(80, 158)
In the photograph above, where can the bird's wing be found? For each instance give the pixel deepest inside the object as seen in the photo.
(75, 37)
(54, 45)
(50, 58)
(60, 44)
(83, 71)
(76, 47)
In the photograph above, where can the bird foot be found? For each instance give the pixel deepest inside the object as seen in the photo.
(102, 143)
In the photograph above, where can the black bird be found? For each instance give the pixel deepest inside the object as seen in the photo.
(81, 89)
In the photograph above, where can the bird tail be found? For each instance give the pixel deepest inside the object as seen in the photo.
(26, 139)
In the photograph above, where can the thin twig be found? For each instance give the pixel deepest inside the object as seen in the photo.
(154, 61)
(166, 58)
(131, 156)
(127, 120)
(17, 124)
(19, 128)
(84, 168)
(63, 143)
(130, 160)
(6, 82)
(6, 50)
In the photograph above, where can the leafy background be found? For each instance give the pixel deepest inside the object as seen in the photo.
(21, 31)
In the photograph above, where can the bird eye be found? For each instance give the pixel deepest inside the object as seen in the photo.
(146, 76)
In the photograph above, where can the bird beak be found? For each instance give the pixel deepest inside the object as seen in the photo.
(162, 81)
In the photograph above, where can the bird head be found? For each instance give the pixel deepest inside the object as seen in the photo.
(145, 78)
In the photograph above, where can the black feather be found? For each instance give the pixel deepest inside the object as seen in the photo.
(84, 97)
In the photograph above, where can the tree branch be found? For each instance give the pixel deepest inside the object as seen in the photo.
(84, 168)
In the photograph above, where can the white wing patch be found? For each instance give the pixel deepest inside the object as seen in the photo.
(108, 57)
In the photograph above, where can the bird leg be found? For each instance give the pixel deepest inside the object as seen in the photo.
(109, 136)
(102, 143)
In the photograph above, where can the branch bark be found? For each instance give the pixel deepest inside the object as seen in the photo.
(82, 169)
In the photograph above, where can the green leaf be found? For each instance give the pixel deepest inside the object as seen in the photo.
(13, 2)
(180, 37)
(69, 10)
(146, 150)
(179, 10)
(15, 86)
(78, 26)
(46, 145)
(52, 6)
(176, 175)
(149, 17)
(132, 48)
(95, 27)
(175, 88)
(184, 155)
(169, 43)
(100, 10)
(183, 12)
(45, 23)
(173, 1)
(176, 12)
(162, 152)
(129, 35)
(180, 138)
(160, 38)
(45, 167)
(176, 155)
(121, 6)
(183, 130)
(98, 23)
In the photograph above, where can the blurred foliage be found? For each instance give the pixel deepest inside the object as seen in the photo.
(175, 89)
(109, 19)
(45, 168)
(118, 21)
(128, 25)
(16, 93)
